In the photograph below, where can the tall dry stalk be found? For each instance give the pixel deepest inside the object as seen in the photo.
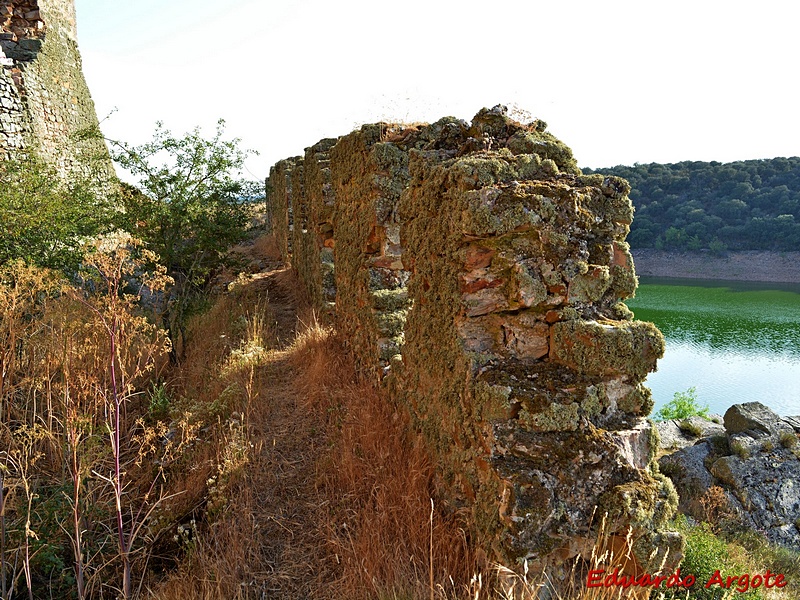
(71, 359)
(109, 269)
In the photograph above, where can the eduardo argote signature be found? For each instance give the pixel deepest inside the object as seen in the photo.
(740, 583)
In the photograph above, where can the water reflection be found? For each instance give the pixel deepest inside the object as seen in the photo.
(733, 342)
(726, 333)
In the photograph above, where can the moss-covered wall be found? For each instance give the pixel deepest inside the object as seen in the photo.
(279, 209)
(317, 272)
(368, 174)
(45, 105)
(481, 278)
(300, 235)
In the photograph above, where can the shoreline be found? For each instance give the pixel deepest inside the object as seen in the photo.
(747, 265)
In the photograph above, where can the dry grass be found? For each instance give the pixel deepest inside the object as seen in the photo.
(334, 497)
(378, 482)
(260, 467)
(257, 536)
(266, 248)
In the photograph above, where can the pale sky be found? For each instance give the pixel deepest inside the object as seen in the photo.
(618, 81)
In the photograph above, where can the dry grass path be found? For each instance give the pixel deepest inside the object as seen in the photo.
(268, 540)
(290, 436)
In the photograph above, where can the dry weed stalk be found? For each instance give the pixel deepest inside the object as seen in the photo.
(73, 358)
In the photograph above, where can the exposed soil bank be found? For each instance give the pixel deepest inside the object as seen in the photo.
(774, 267)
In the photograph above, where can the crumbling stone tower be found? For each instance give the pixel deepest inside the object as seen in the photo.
(45, 105)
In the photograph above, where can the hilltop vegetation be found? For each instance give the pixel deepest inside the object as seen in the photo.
(691, 205)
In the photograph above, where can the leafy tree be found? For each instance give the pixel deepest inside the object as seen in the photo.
(190, 206)
(682, 406)
(45, 221)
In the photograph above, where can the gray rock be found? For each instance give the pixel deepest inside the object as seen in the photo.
(761, 477)
(793, 422)
(753, 418)
(676, 433)
(688, 472)
(728, 469)
(768, 486)
(31, 44)
(670, 436)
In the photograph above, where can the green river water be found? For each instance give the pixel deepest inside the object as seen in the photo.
(733, 341)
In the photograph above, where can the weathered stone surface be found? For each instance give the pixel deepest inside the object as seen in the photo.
(756, 462)
(688, 472)
(674, 434)
(608, 347)
(754, 419)
(368, 172)
(479, 279)
(279, 208)
(793, 422)
(767, 485)
(313, 257)
(44, 100)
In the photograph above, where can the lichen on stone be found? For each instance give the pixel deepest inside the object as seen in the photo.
(480, 279)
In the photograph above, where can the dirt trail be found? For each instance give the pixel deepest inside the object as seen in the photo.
(288, 438)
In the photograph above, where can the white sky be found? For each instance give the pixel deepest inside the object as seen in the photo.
(618, 81)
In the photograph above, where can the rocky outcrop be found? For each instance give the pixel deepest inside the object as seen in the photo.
(756, 461)
(45, 105)
(675, 434)
(480, 280)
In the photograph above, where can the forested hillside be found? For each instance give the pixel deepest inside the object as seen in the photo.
(745, 205)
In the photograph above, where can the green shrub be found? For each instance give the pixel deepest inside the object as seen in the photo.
(788, 439)
(690, 428)
(706, 553)
(45, 221)
(682, 406)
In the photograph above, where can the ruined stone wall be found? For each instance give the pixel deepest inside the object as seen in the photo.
(279, 213)
(44, 101)
(368, 174)
(317, 269)
(480, 277)
(298, 206)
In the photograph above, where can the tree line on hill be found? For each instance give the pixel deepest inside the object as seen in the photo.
(694, 206)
